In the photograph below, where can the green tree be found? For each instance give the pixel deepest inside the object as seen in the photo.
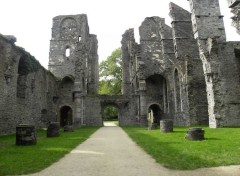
(111, 74)
(111, 80)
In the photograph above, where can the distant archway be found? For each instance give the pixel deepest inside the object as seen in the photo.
(65, 116)
(110, 113)
(154, 113)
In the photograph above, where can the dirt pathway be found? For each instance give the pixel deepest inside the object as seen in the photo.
(110, 152)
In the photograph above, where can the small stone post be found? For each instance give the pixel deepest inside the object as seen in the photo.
(195, 134)
(53, 129)
(25, 135)
(166, 126)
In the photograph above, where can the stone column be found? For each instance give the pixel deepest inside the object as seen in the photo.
(127, 41)
(143, 111)
(143, 103)
(208, 29)
(77, 119)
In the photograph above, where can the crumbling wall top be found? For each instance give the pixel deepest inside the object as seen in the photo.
(178, 13)
(233, 3)
(205, 7)
(149, 30)
(67, 27)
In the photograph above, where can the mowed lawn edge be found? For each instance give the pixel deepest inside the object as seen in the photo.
(16, 160)
(221, 147)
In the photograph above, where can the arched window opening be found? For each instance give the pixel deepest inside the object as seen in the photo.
(22, 79)
(110, 116)
(177, 92)
(67, 52)
(65, 116)
(66, 86)
(79, 38)
(165, 96)
(83, 83)
(157, 91)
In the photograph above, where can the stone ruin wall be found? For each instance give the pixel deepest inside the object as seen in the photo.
(235, 6)
(71, 32)
(186, 69)
(25, 97)
(220, 63)
(163, 56)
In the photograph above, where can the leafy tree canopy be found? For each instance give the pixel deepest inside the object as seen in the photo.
(111, 74)
(111, 80)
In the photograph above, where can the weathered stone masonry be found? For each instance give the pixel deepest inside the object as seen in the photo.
(24, 89)
(185, 72)
(220, 63)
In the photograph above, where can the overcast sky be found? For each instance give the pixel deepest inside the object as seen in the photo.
(31, 20)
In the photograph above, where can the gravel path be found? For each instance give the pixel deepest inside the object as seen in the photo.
(110, 152)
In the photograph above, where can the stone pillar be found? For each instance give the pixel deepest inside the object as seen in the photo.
(143, 109)
(127, 40)
(93, 70)
(208, 29)
(77, 119)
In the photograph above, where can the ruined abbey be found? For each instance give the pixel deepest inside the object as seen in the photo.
(186, 72)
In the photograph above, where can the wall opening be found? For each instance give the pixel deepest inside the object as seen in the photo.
(177, 90)
(66, 116)
(67, 52)
(165, 96)
(157, 92)
(154, 114)
(22, 79)
(110, 115)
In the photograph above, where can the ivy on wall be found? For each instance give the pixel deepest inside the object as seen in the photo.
(27, 63)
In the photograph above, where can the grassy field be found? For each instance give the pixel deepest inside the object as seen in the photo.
(221, 147)
(28, 159)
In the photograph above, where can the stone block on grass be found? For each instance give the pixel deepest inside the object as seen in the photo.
(53, 129)
(195, 134)
(166, 126)
(26, 135)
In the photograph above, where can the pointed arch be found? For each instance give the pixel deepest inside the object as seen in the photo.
(177, 91)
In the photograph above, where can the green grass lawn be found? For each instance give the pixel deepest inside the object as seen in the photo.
(29, 159)
(221, 147)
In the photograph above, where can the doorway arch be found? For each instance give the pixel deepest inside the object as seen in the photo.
(110, 113)
(66, 116)
(154, 113)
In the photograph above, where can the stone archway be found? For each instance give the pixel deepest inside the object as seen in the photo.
(66, 116)
(154, 113)
(111, 110)
(121, 103)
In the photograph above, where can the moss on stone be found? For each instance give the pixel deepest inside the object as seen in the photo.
(27, 63)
